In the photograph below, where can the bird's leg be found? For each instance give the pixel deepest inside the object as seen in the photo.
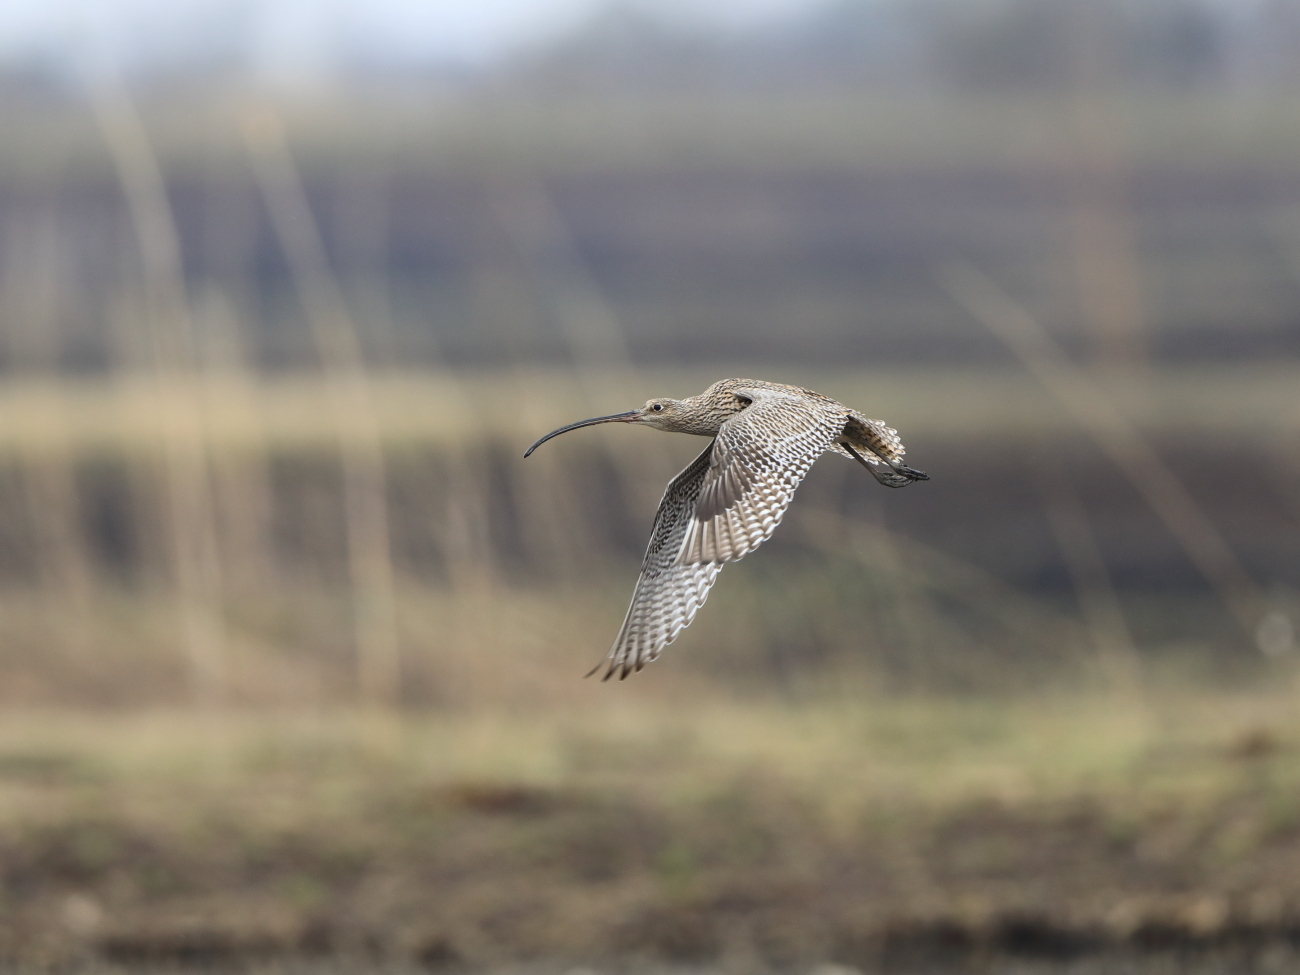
(900, 477)
(870, 468)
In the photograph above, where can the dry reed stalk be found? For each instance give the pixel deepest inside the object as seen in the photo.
(910, 622)
(979, 589)
(364, 222)
(1278, 632)
(338, 345)
(1118, 438)
(562, 280)
(906, 625)
(567, 289)
(363, 214)
(551, 523)
(168, 335)
(467, 545)
(132, 376)
(49, 467)
(241, 472)
(465, 519)
(1116, 649)
(1283, 231)
(1103, 248)
(244, 500)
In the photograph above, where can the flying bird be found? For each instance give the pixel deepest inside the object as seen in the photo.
(729, 500)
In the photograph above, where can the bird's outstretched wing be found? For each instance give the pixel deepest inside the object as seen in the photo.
(723, 506)
(668, 593)
(760, 456)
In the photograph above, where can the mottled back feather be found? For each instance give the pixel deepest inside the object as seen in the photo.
(760, 456)
(872, 438)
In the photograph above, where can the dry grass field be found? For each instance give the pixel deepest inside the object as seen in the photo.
(660, 823)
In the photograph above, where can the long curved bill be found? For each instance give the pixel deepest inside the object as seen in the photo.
(627, 417)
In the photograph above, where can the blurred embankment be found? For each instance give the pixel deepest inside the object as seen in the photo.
(556, 532)
(498, 275)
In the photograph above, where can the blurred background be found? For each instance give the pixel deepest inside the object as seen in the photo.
(286, 288)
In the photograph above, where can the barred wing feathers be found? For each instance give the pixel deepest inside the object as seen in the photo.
(668, 593)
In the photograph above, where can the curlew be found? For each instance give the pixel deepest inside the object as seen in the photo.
(730, 499)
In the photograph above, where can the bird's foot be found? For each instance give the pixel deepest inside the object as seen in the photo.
(895, 477)
(890, 479)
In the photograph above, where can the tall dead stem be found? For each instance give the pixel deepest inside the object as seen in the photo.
(567, 290)
(1115, 435)
(338, 345)
(33, 295)
(169, 336)
(1103, 241)
(1102, 612)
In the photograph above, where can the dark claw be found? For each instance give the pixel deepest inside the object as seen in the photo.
(889, 479)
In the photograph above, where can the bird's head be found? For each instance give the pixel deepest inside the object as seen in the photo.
(665, 414)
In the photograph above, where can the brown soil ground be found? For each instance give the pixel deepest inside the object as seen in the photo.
(605, 839)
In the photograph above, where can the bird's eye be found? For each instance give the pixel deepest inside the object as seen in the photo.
(658, 407)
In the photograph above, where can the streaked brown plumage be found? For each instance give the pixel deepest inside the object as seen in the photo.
(731, 497)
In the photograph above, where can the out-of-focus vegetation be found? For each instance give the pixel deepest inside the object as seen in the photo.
(868, 831)
(290, 633)
(890, 584)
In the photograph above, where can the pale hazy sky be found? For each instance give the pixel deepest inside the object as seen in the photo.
(286, 36)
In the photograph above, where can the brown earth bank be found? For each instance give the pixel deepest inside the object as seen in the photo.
(745, 874)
